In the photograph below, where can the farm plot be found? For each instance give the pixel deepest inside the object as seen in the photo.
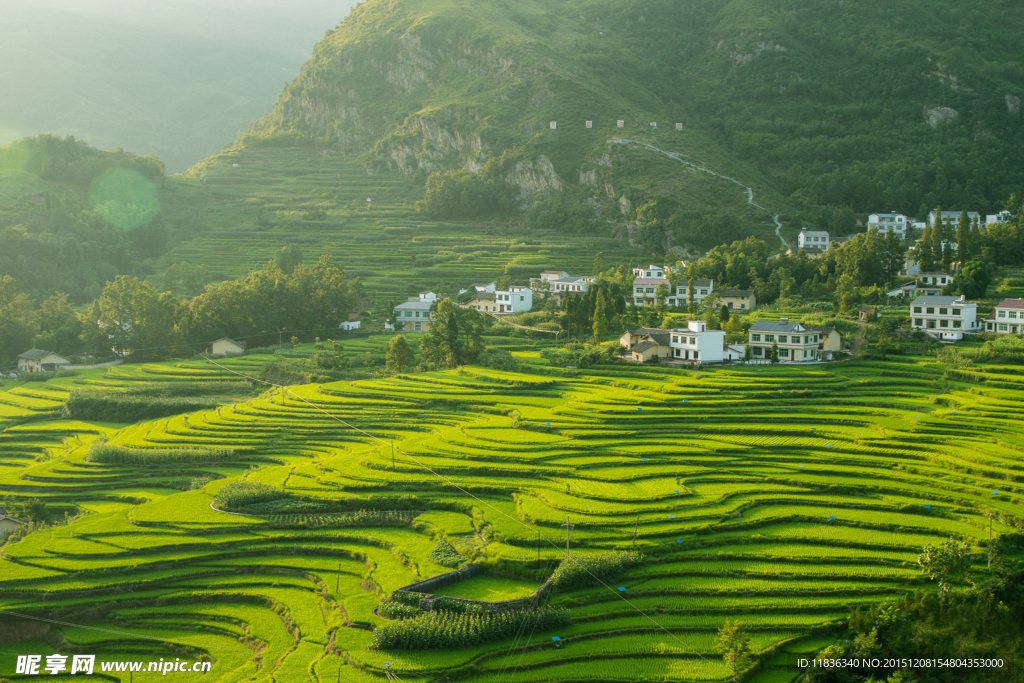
(751, 500)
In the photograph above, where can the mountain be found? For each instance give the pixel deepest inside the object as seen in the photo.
(415, 144)
(178, 78)
(815, 104)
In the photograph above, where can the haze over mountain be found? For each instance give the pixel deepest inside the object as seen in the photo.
(179, 78)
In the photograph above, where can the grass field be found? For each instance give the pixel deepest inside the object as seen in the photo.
(783, 497)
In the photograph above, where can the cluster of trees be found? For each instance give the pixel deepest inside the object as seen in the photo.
(68, 242)
(131, 315)
(984, 621)
(942, 244)
(449, 629)
(459, 194)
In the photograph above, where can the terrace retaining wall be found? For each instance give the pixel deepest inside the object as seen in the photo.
(428, 599)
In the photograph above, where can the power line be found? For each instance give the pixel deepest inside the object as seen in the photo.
(464, 491)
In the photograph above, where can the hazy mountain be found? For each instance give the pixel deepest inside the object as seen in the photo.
(179, 78)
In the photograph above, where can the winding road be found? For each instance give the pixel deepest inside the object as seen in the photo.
(750, 190)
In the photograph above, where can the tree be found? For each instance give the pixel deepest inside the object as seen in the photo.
(938, 235)
(600, 315)
(963, 238)
(691, 280)
(945, 564)
(661, 293)
(723, 315)
(288, 258)
(400, 355)
(734, 645)
(972, 279)
(598, 267)
(844, 221)
(35, 510)
(747, 353)
(775, 353)
(17, 320)
(453, 338)
(884, 344)
(923, 251)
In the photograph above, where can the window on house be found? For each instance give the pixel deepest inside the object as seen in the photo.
(1001, 314)
(769, 337)
(931, 324)
(918, 322)
(943, 311)
(930, 311)
(1013, 314)
(1002, 327)
(758, 350)
(417, 327)
(742, 306)
(703, 291)
(675, 339)
(695, 356)
(755, 337)
(693, 341)
(956, 323)
(730, 305)
(943, 323)
(956, 311)
(917, 309)
(650, 290)
(783, 339)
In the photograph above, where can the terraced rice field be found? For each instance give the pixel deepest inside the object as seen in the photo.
(784, 497)
(249, 211)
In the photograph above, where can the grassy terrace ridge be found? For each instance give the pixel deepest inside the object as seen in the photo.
(734, 491)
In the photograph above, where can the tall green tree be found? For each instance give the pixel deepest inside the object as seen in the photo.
(734, 645)
(774, 357)
(963, 238)
(600, 319)
(17, 320)
(946, 564)
(691, 280)
(938, 236)
(923, 251)
(400, 355)
(453, 338)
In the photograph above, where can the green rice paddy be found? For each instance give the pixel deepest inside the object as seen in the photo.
(782, 497)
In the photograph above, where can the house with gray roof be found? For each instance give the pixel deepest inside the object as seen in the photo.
(947, 318)
(1007, 318)
(37, 360)
(796, 342)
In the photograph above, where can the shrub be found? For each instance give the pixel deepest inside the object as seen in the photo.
(391, 609)
(241, 494)
(101, 451)
(445, 555)
(443, 629)
(131, 407)
(581, 571)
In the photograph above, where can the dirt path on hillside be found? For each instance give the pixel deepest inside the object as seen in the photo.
(750, 190)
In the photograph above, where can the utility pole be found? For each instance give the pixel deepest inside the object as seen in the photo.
(568, 527)
(635, 528)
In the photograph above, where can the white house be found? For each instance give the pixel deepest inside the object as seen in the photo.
(796, 343)
(1008, 318)
(571, 285)
(952, 217)
(885, 222)
(947, 318)
(353, 322)
(1001, 217)
(697, 344)
(414, 315)
(552, 275)
(701, 290)
(37, 360)
(225, 346)
(650, 272)
(934, 279)
(812, 240)
(516, 299)
(645, 290)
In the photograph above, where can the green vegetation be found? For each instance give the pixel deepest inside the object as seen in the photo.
(488, 588)
(735, 476)
(447, 630)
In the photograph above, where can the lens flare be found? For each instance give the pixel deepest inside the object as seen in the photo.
(124, 198)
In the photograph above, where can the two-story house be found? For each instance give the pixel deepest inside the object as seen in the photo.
(414, 315)
(650, 272)
(813, 242)
(701, 290)
(1008, 318)
(952, 217)
(697, 344)
(737, 299)
(646, 343)
(886, 222)
(946, 317)
(645, 290)
(797, 343)
(515, 299)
